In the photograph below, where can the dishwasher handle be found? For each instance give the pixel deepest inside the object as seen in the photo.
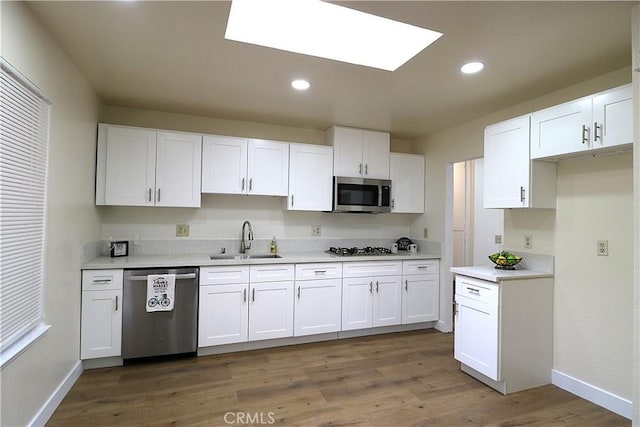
(178, 277)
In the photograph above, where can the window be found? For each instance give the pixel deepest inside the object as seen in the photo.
(24, 146)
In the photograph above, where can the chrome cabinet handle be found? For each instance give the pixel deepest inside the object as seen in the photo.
(370, 287)
(585, 134)
(595, 132)
(158, 195)
(377, 287)
(250, 184)
(360, 168)
(116, 302)
(423, 267)
(317, 272)
(366, 169)
(393, 203)
(298, 292)
(473, 291)
(522, 194)
(242, 184)
(292, 200)
(149, 193)
(100, 281)
(244, 295)
(406, 285)
(253, 295)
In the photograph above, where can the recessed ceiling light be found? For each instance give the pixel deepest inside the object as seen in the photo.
(327, 30)
(300, 84)
(472, 67)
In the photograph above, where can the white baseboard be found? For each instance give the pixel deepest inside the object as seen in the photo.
(47, 410)
(600, 397)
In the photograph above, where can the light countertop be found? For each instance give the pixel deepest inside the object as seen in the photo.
(203, 260)
(494, 275)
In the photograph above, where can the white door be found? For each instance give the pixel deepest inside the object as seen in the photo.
(564, 128)
(178, 166)
(268, 168)
(317, 306)
(387, 301)
(613, 117)
(476, 337)
(406, 172)
(347, 152)
(357, 296)
(224, 165)
(420, 300)
(506, 164)
(130, 166)
(101, 324)
(310, 177)
(223, 314)
(271, 312)
(375, 154)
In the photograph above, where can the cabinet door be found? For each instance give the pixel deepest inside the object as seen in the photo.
(421, 297)
(506, 164)
(224, 165)
(130, 166)
(317, 306)
(613, 118)
(223, 314)
(357, 297)
(407, 183)
(476, 336)
(268, 168)
(101, 324)
(562, 129)
(178, 169)
(347, 151)
(375, 154)
(310, 177)
(387, 301)
(271, 312)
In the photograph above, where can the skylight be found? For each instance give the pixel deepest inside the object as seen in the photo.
(326, 30)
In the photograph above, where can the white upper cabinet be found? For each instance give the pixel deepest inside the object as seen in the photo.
(359, 153)
(310, 177)
(407, 183)
(233, 165)
(145, 167)
(599, 122)
(511, 179)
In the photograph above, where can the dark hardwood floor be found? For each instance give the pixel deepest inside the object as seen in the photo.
(405, 379)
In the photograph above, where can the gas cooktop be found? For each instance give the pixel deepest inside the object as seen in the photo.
(368, 251)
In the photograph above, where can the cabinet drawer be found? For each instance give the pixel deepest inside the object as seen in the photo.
(271, 273)
(374, 268)
(98, 280)
(477, 290)
(420, 266)
(329, 270)
(224, 275)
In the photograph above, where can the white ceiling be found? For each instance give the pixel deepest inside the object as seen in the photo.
(172, 56)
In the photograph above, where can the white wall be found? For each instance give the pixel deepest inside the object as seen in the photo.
(221, 216)
(465, 142)
(30, 379)
(487, 223)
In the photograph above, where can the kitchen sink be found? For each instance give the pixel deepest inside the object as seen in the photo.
(243, 256)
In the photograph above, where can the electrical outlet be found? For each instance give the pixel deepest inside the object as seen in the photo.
(425, 233)
(603, 247)
(182, 230)
(497, 239)
(316, 230)
(528, 242)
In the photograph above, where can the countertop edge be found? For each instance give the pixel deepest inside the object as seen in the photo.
(494, 275)
(203, 260)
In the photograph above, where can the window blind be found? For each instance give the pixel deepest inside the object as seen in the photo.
(24, 144)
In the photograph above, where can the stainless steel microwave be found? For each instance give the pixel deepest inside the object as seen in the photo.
(362, 195)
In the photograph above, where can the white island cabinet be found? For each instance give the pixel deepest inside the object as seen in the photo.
(503, 328)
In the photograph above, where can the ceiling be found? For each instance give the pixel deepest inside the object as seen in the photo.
(172, 56)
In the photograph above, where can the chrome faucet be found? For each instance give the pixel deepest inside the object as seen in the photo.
(244, 246)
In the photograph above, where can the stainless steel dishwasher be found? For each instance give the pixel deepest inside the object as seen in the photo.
(159, 333)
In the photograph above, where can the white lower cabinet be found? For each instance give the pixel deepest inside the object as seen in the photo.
(421, 291)
(503, 331)
(371, 294)
(245, 303)
(317, 305)
(101, 326)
